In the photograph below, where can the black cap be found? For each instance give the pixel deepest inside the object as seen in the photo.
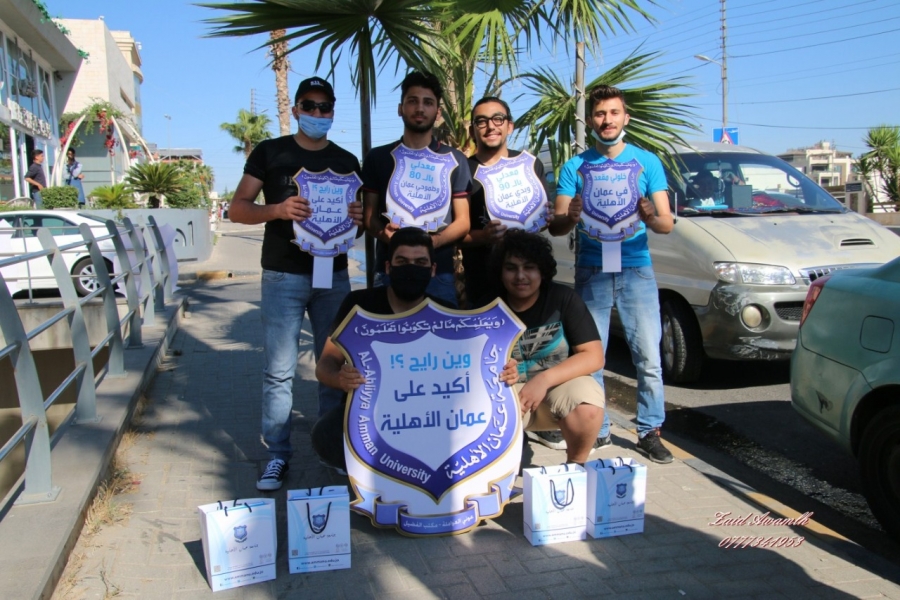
(314, 83)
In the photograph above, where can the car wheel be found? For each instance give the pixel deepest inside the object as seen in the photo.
(879, 468)
(681, 345)
(85, 276)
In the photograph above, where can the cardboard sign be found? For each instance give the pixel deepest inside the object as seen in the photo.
(610, 195)
(513, 194)
(419, 191)
(239, 542)
(616, 493)
(318, 529)
(330, 230)
(554, 504)
(432, 439)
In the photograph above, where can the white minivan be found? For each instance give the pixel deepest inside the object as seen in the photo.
(751, 233)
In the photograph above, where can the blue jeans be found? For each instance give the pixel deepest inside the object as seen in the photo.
(442, 285)
(286, 298)
(634, 294)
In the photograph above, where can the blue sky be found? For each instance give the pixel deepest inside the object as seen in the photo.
(799, 71)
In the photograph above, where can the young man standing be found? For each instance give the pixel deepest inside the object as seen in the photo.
(74, 175)
(491, 126)
(420, 101)
(36, 178)
(287, 291)
(632, 291)
(559, 349)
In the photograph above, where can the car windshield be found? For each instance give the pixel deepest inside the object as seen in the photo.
(737, 183)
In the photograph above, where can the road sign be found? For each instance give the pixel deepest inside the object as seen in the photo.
(853, 186)
(729, 136)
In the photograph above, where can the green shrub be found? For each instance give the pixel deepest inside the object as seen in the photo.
(113, 196)
(64, 196)
(187, 198)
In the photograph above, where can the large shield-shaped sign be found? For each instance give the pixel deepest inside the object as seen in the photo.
(513, 194)
(419, 191)
(610, 196)
(433, 439)
(330, 230)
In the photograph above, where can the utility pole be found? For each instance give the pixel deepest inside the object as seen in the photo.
(252, 101)
(724, 70)
(580, 117)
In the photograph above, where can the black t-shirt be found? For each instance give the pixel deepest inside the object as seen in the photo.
(378, 167)
(475, 258)
(36, 173)
(373, 300)
(555, 324)
(275, 162)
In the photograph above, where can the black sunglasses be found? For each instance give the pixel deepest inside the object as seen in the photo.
(309, 106)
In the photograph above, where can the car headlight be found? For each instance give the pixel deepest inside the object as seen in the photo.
(754, 274)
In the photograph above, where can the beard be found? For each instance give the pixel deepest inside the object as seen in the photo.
(424, 127)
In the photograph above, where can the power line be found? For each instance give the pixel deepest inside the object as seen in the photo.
(818, 76)
(805, 22)
(757, 42)
(816, 98)
(769, 126)
(828, 43)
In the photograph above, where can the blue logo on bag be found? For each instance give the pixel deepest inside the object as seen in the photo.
(240, 534)
(621, 490)
(564, 497)
(318, 521)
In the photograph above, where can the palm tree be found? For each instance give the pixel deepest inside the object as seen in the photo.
(658, 117)
(117, 195)
(881, 163)
(155, 179)
(249, 130)
(281, 65)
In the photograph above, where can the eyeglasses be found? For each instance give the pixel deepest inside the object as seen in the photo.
(309, 106)
(497, 120)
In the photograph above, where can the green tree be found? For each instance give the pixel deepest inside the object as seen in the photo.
(117, 196)
(156, 179)
(881, 164)
(248, 131)
(658, 117)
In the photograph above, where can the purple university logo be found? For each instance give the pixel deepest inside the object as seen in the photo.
(419, 191)
(330, 230)
(430, 435)
(513, 194)
(610, 195)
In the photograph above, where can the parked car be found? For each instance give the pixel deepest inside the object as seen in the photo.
(845, 376)
(18, 235)
(751, 234)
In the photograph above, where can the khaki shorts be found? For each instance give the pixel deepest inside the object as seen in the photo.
(560, 401)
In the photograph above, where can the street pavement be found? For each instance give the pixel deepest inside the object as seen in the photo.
(199, 442)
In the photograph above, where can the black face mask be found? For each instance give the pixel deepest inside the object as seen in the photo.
(409, 281)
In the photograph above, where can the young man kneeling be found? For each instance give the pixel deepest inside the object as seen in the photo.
(559, 349)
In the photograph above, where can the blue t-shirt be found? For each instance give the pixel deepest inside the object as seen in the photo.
(635, 252)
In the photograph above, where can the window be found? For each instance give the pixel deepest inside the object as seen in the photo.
(46, 94)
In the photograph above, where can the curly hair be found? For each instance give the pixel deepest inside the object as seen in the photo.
(530, 247)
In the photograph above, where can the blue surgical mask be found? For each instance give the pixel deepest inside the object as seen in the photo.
(609, 142)
(315, 127)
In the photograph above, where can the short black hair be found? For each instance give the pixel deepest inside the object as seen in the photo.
(487, 99)
(35, 153)
(72, 150)
(530, 247)
(410, 236)
(421, 79)
(606, 92)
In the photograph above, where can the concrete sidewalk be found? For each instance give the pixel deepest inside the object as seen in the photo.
(200, 443)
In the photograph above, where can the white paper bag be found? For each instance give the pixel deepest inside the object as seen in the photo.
(554, 504)
(239, 542)
(318, 529)
(616, 492)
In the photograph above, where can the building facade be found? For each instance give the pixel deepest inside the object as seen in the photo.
(822, 163)
(111, 75)
(38, 66)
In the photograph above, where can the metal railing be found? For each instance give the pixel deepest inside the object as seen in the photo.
(146, 279)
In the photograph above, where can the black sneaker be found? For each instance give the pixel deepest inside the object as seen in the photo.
(552, 439)
(273, 476)
(602, 442)
(651, 445)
